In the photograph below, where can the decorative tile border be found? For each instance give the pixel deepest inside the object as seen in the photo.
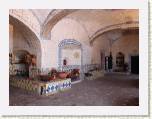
(56, 86)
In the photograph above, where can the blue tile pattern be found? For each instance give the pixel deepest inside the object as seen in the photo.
(58, 86)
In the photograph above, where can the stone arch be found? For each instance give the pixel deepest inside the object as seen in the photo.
(53, 17)
(28, 18)
(29, 36)
(120, 26)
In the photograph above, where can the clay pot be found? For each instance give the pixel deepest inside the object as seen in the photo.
(33, 61)
(69, 75)
(62, 75)
(52, 78)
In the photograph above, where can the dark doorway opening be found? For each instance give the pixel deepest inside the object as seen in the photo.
(135, 64)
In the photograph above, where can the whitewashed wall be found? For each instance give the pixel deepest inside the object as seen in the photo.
(65, 29)
(69, 55)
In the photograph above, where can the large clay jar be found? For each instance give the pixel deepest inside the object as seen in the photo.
(62, 75)
(52, 78)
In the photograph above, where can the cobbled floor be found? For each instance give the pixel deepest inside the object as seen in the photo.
(110, 90)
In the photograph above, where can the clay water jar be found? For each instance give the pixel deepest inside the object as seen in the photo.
(52, 78)
(62, 75)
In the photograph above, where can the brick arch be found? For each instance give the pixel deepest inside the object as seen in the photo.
(29, 35)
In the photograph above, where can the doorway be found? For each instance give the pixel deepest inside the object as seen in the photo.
(135, 64)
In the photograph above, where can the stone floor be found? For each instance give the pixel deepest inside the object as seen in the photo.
(110, 90)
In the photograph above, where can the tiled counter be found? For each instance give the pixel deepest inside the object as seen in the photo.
(56, 86)
(43, 88)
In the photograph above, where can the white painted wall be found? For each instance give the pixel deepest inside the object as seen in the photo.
(64, 29)
(49, 55)
(69, 55)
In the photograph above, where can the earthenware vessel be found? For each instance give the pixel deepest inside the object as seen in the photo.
(62, 75)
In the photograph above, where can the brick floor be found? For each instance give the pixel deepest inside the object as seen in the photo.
(110, 90)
